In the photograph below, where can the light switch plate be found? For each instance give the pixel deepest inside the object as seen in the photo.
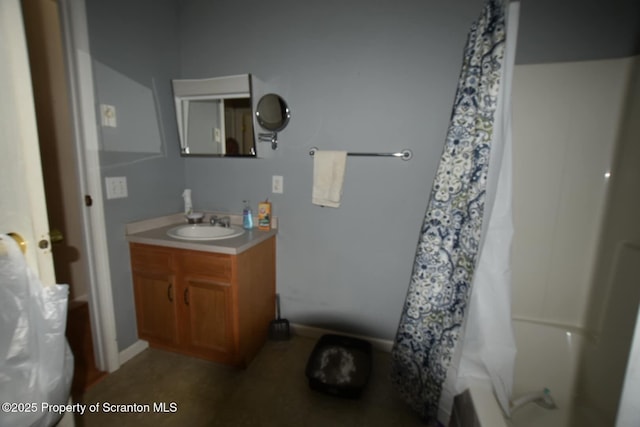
(116, 187)
(108, 116)
(276, 184)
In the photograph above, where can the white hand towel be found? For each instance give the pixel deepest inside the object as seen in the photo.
(328, 176)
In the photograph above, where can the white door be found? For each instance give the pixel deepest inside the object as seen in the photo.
(22, 203)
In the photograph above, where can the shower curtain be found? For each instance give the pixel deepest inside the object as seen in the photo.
(465, 239)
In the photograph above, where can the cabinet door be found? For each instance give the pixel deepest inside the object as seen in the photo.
(154, 287)
(156, 307)
(208, 312)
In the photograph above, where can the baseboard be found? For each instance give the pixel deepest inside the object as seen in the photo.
(313, 332)
(133, 350)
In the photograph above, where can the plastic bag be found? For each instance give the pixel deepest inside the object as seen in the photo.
(36, 364)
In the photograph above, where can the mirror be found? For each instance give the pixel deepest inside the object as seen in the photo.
(273, 114)
(215, 116)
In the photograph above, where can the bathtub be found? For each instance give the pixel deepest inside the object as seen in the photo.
(548, 357)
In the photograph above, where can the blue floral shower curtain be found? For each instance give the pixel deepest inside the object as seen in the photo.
(436, 302)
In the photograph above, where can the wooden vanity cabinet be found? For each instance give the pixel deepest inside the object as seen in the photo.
(209, 305)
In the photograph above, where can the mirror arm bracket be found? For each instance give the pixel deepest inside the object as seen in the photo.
(269, 137)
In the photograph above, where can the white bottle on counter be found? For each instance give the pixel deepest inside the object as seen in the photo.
(188, 206)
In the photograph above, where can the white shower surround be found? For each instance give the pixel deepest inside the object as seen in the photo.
(566, 123)
(566, 119)
(548, 357)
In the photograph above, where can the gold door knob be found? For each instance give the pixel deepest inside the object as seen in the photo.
(20, 241)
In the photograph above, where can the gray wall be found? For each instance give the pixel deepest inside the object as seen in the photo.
(137, 43)
(358, 76)
(577, 30)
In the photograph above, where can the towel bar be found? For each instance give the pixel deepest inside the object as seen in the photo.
(404, 154)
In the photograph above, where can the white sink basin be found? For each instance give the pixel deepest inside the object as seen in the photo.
(203, 232)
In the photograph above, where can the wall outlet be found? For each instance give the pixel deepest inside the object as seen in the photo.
(116, 187)
(276, 184)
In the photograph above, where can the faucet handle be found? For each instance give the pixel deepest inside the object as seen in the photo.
(213, 220)
(225, 221)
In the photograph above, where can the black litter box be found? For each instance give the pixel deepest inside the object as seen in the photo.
(339, 365)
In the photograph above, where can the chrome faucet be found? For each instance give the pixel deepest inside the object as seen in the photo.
(225, 221)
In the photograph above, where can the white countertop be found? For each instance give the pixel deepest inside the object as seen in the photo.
(154, 232)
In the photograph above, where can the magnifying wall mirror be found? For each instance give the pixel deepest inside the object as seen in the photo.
(215, 116)
(273, 114)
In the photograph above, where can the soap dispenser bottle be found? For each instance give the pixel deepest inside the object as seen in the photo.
(247, 216)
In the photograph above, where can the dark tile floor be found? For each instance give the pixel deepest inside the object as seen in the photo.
(272, 391)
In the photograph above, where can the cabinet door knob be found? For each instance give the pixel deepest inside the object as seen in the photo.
(169, 295)
(186, 296)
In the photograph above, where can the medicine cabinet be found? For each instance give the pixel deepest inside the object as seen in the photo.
(215, 116)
